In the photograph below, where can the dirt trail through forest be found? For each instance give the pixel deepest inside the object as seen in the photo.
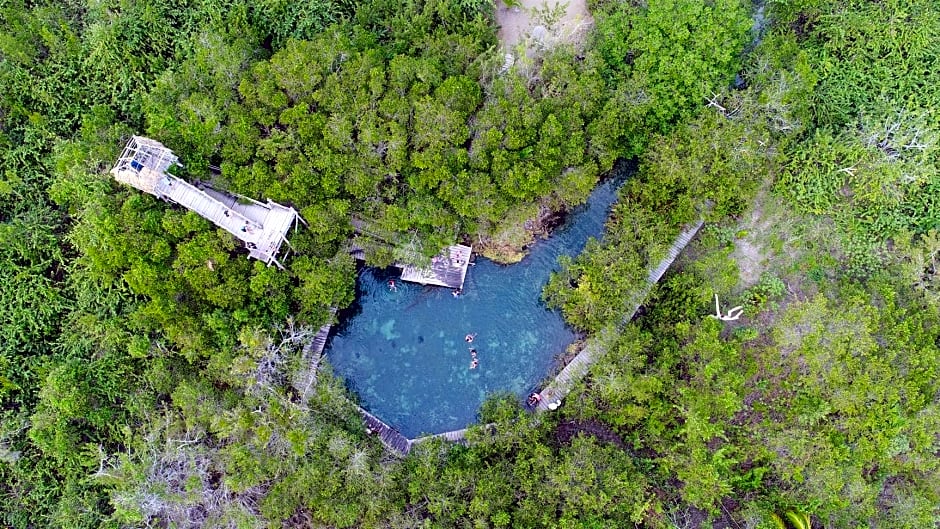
(542, 22)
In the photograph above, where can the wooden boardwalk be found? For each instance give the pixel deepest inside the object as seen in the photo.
(319, 340)
(561, 385)
(389, 436)
(453, 436)
(565, 380)
(305, 377)
(683, 240)
(273, 220)
(357, 252)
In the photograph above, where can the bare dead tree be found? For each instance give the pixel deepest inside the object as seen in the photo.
(732, 314)
(900, 135)
(175, 481)
(270, 372)
(681, 518)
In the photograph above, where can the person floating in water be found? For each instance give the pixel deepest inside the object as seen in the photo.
(473, 352)
(474, 363)
(457, 292)
(392, 286)
(469, 338)
(534, 399)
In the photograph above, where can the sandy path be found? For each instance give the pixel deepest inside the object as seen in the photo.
(517, 24)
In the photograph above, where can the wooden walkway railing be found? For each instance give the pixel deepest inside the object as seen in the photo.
(313, 353)
(561, 385)
(305, 378)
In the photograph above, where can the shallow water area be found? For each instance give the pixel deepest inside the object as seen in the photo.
(403, 351)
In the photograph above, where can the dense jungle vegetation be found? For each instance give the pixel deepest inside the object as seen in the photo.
(151, 375)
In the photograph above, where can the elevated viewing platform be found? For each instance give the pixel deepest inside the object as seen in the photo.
(262, 227)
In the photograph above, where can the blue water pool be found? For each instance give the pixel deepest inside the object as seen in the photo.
(403, 352)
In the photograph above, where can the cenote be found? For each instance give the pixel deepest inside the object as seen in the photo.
(403, 352)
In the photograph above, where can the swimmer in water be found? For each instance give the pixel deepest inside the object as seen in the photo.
(534, 399)
(469, 338)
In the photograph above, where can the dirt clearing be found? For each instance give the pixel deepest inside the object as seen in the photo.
(542, 23)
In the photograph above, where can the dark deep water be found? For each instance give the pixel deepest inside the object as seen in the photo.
(403, 353)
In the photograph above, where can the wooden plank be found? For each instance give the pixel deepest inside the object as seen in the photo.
(453, 436)
(390, 437)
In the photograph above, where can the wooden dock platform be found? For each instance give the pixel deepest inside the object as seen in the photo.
(447, 270)
(561, 385)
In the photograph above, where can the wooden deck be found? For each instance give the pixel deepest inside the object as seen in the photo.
(561, 385)
(274, 220)
(447, 270)
(262, 227)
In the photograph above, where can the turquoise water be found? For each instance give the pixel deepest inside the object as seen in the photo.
(403, 352)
